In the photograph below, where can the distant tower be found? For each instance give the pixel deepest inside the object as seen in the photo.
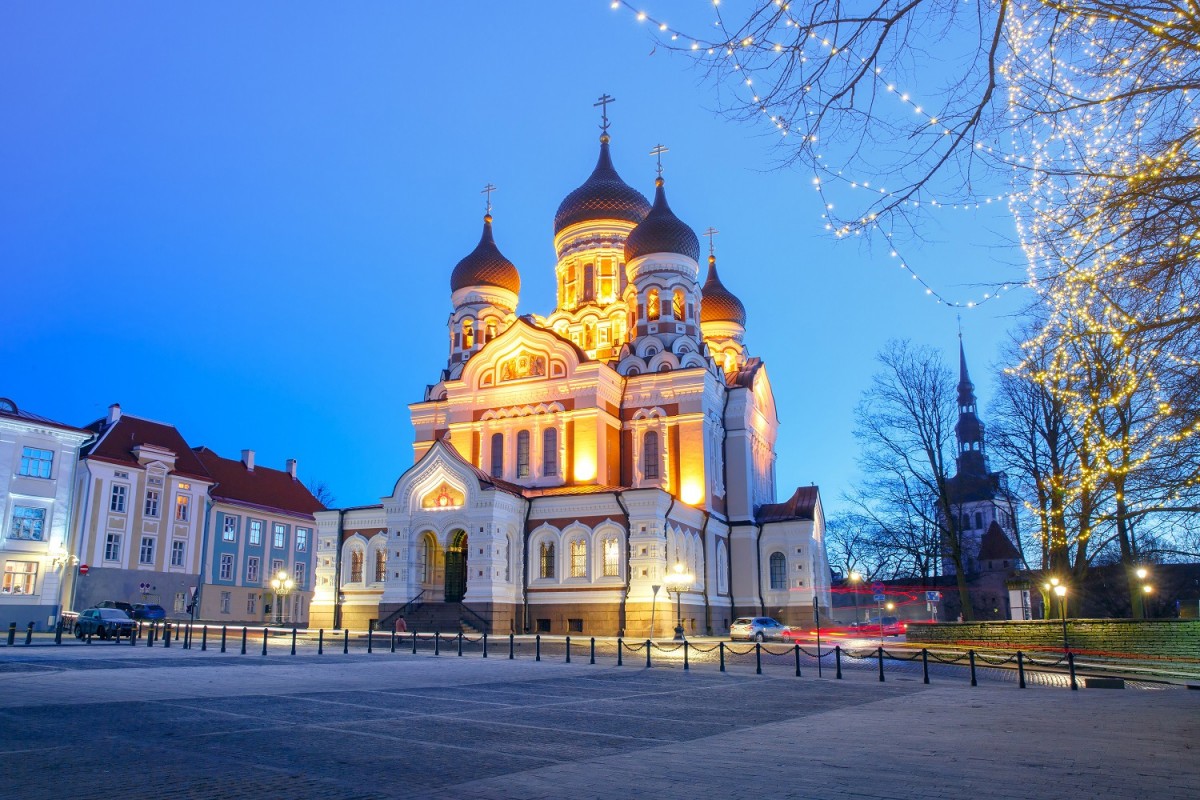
(969, 430)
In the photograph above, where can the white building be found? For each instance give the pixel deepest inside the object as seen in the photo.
(37, 464)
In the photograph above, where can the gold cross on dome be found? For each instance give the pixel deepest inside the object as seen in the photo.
(605, 99)
(488, 191)
(657, 151)
(710, 233)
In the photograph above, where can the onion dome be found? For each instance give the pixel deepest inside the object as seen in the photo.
(602, 196)
(661, 232)
(718, 304)
(486, 266)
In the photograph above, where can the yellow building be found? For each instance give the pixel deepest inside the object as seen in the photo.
(570, 469)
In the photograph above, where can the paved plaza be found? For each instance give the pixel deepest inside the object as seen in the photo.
(109, 722)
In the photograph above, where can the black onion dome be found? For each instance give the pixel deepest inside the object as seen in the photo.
(602, 196)
(661, 232)
(718, 304)
(486, 266)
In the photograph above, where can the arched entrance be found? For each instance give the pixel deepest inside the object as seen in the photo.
(456, 567)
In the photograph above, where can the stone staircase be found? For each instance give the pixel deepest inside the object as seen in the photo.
(450, 618)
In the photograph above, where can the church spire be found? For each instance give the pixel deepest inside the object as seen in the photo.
(969, 430)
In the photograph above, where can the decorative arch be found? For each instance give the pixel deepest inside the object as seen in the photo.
(576, 546)
(778, 571)
(722, 567)
(354, 554)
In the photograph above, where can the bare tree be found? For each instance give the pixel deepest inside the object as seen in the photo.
(322, 492)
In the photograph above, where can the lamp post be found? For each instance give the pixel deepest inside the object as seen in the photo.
(1061, 591)
(855, 578)
(1142, 574)
(61, 560)
(282, 585)
(677, 581)
(653, 606)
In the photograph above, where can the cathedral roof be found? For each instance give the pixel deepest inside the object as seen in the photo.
(718, 304)
(801, 505)
(996, 546)
(744, 375)
(661, 232)
(602, 196)
(486, 266)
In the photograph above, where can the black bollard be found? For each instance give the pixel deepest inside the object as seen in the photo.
(568, 650)
(293, 640)
(393, 640)
(414, 643)
(593, 661)
(150, 636)
(537, 647)
(925, 664)
(12, 633)
(758, 658)
(485, 644)
(345, 641)
(1020, 670)
(1071, 667)
(266, 635)
(620, 648)
(460, 638)
(370, 639)
(721, 648)
(320, 641)
(686, 648)
(244, 641)
(797, 645)
(166, 634)
(29, 635)
(224, 631)
(437, 643)
(204, 638)
(880, 654)
(837, 659)
(648, 645)
(511, 639)
(971, 656)
(58, 633)
(133, 638)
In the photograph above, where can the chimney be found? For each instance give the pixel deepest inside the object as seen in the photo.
(248, 459)
(291, 467)
(114, 413)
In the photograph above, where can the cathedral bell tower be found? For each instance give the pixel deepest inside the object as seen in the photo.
(969, 429)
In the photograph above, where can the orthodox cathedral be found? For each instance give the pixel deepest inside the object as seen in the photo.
(585, 471)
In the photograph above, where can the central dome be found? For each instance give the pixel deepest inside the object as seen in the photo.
(602, 196)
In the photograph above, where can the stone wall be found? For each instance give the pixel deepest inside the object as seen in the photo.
(1169, 638)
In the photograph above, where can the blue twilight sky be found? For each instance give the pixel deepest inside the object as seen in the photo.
(241, 218)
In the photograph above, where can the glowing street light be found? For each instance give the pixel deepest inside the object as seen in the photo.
(677, 581)
(855, 578)
(282, 584)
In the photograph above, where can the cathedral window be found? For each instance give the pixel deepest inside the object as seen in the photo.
(677, 306)
(491, 331)
(607, 288)
(722, 567)
(612, 558)
(523, 454)
(571, 286)
(428, 558)
(550, 452)
(356, 566)
(650, 455)
(547, 560)
(468, 334)
(589, 282)
(778, 571)
(979, 519)
(497, 455)
(589, 336)
(579, 559)
(380, 565)
(966, 522)
(652, 307)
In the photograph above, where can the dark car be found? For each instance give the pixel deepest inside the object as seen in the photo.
(103, 622)
(121, 604)
(148, 612)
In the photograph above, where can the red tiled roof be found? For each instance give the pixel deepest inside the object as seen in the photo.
(116, 442)
(262, 487)
(801, 505)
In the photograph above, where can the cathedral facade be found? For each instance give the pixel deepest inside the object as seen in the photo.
(584, 471)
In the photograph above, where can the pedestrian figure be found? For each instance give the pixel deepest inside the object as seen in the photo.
(401, 625)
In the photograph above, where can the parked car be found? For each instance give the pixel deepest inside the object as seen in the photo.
(892, 626)
(121, 604)
(148, 612)
(758, 629)
(103, 622)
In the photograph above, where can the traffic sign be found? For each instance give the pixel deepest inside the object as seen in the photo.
(83, 569)
(879, 598)
(877, 587)
(933, 597)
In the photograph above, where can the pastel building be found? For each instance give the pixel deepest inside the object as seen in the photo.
(260, 522)
(569, 468)
(37, 467)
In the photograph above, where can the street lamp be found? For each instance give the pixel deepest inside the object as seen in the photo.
(855, 577)
(1061, 591)
(282, 584)
(677, 581)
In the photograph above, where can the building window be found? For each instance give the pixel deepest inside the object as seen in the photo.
(180, 602)
(650, 455)
(280, 535)
(523, 454)
(979, 520)
(178, 551)
(589, 275)
(497, 455)
(116, 503)
(301, 540)
(36, 463)
(578, 558)
(229, 529)
(550, 452)
(28, 523)
(276, 566)
(112, 547)
(468, 335)
(778, 571)
(225, 601)
(380, 566)
(543, 626)
(146, 554)
(607, 293)
(20, 577)
(612, 558)
(182, 505)
(547, 560)
(356, 566)
(252, 570)
(151, 508)
(226, 567)
(652, 305)
(678, 305)
(252, 604)
(256, 531)
(575, 626)
(298, 573)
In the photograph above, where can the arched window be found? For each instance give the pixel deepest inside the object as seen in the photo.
(650, 455)
(507, 559)
(722, 568)
(491, 330)
(589, 336)
(497, 455)
(677, 306)
(652, 310)
(979, 520)
(356, 566)
(571, 286)
(428, 559)
(468, 334)
(550, 452)
(612, 558)
(547, 560)
(778, 571)
(589, 282)
(607, 288)
(523, 454)
(579, 559)
(380, 565)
